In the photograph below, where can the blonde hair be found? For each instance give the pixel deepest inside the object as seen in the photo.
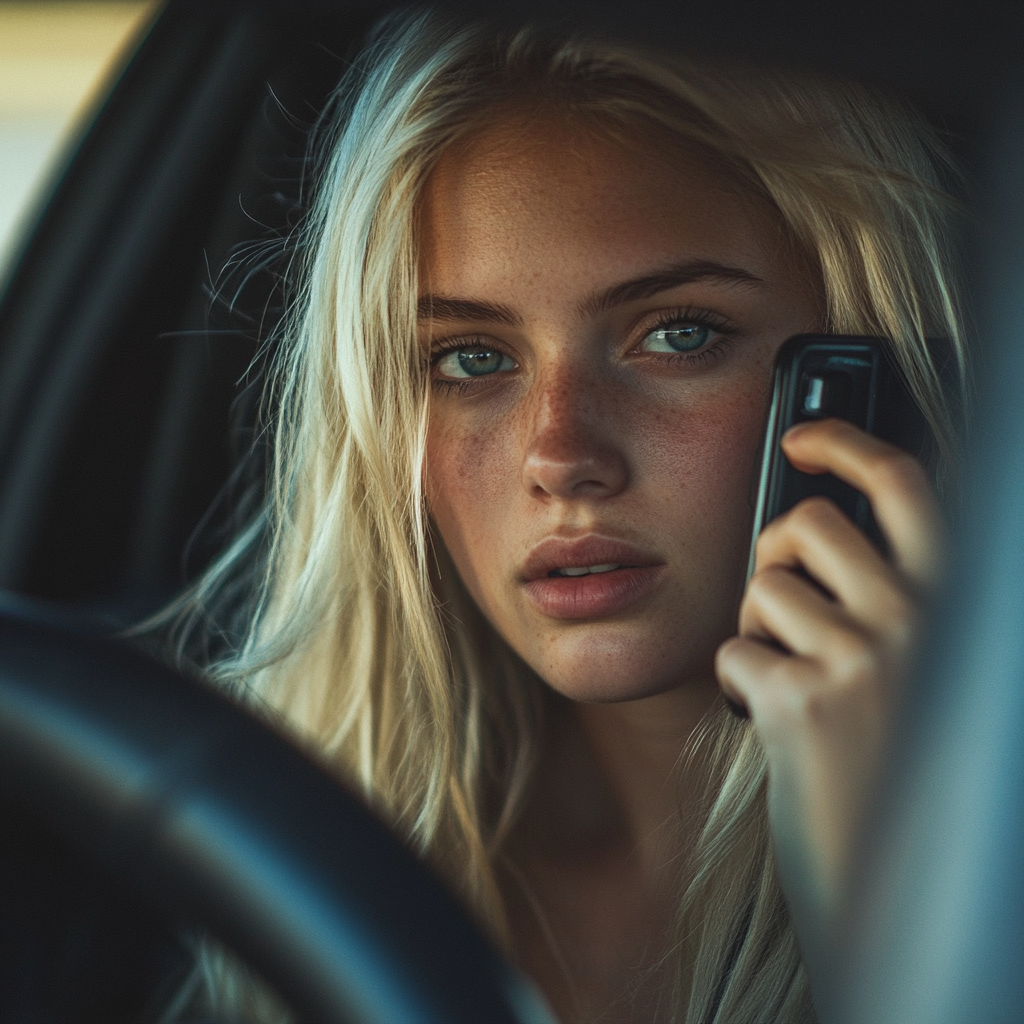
(359, 635)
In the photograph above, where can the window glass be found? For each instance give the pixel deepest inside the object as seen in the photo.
(56, 59)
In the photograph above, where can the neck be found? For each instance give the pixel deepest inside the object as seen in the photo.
(593, 867)
(639, 748)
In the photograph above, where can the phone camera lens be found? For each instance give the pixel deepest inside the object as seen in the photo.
(814, 395)
(825, 394)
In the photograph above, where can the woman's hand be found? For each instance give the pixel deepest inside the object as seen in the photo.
(818, 662)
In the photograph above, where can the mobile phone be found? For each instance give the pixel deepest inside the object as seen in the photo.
(818, 376)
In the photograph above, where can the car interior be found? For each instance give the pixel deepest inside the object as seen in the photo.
(137, 805)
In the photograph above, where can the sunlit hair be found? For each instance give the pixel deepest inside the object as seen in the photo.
(359, 635)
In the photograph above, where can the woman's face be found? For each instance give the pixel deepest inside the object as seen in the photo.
(602, 321)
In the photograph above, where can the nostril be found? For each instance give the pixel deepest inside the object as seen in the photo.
(583, 487)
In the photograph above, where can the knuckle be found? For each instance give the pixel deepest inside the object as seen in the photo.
(812, 699)
(894, 468)
(787, 530)
(765, 584)
(857, 662)
(814, 694)
(816, 512)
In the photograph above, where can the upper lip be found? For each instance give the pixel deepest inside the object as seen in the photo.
(565, 553)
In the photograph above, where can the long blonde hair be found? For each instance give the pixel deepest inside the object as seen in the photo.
(358, 634)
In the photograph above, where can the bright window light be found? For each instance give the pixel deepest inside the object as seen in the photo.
(55, 64)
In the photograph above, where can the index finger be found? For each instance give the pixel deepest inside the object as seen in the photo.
(894, 482)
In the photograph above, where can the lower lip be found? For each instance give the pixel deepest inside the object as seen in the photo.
(594, 595)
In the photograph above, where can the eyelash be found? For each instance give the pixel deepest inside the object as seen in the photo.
(688, 314)
(441, 348)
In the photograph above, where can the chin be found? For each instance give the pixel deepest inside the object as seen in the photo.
(622, 663)
(612, 691)
(610, 683)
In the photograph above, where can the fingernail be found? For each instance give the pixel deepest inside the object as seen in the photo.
(798, 428)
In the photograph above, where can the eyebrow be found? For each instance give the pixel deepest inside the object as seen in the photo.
(438, 307)
(662, 280)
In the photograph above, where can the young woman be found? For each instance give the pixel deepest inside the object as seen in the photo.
(516, 413)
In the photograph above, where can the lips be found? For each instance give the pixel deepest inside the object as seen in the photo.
(588, 577)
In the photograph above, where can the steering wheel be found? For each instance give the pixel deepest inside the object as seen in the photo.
(168, 784)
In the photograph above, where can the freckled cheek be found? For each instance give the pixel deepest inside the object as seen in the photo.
(467, 481)
(704, 464)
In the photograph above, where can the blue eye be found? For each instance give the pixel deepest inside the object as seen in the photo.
(677, 336)
(461, 363)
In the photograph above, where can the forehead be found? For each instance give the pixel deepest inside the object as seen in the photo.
(541, 192)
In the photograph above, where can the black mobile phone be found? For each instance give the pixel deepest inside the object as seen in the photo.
(818, 376)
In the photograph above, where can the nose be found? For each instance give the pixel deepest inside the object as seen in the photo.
(573, 450)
